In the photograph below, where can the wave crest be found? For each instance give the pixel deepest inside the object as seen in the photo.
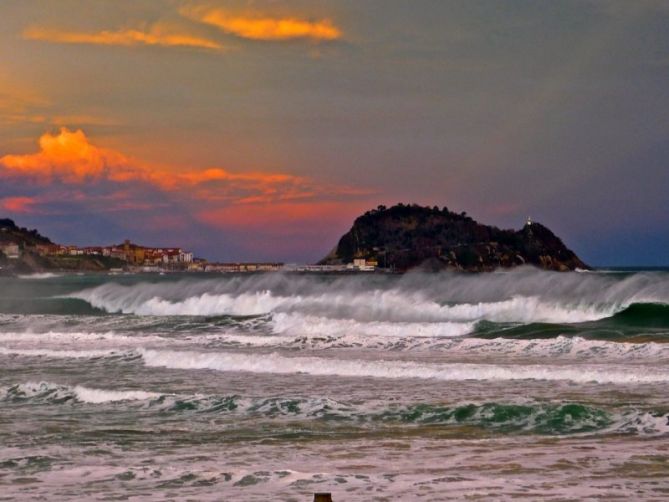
(319, 366)
(525, 417)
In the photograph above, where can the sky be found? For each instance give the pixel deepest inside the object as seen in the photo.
(258, 130)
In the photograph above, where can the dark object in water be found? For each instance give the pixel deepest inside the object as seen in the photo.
(322, 497)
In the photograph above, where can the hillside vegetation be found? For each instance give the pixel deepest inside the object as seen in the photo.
(407, 236)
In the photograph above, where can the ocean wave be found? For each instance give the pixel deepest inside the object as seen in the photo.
(297, 325)
(39, 276)
(318, 366)
(378, 306)
(46, 392)
(76, 337)
(561, 347)
(449, 341)
(446, 340)
(547, 418)
(65, 354)
(523, 295)
(643, 314)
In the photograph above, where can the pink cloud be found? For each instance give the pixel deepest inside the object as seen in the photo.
(19, 204)
(69, 174)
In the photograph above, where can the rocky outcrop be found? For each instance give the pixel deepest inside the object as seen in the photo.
(404, 237)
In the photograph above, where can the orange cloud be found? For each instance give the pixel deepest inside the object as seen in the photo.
(18, 204)
(264, 27)
(156, 35)
(69, 175)
(69, 157)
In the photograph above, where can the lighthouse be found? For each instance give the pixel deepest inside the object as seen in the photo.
(529, 221)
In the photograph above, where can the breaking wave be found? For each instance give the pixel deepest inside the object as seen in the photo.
(65, 354)
(79, 338)
(275, 363)
(644, 314)
(45, 392)
(319, 366)
(528, 417)
(294, 324)
(39, 276)
(291, 331)
(520, 296)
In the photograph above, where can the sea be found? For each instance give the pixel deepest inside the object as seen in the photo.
(275, 386)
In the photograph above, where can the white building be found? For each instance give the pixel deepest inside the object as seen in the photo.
(11, 251)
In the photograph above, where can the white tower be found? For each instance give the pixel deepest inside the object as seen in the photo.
(529, 221)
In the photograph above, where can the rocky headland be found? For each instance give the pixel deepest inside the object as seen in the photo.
(404, 237)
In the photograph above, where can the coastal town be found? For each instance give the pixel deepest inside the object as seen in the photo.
(137, 258)
(21, 248)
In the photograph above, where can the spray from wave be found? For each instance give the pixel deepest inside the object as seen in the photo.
(39, 276)
(521, 296)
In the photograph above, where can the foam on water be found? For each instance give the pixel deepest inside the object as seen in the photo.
(294, 324)
(527, 416)
(279, 364)
(55, 393)
(62, 354)
(326, 383)
(450, 345)
(321, 334)
(78, 338)
(390, 306)
(90, 395)
(524, 295)
(39, 276)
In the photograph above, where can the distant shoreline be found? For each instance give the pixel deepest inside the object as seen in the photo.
(52, 274)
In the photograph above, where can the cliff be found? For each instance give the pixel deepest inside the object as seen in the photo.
(403, 237)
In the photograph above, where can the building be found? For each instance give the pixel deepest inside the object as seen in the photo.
(11, 250)
(364, 265)
(243, 267)
(133, 254)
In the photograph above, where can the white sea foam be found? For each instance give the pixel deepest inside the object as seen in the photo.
(296, 324)
(641, 423)
(95, 396)
(537, 417)
(389, 306)
(318, 334)
(522, 295)
(62, 354)
(561, 347)
(39, 276)
(277, 364)
(81, 338)
(59, 393)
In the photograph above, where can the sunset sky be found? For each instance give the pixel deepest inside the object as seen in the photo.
(258, 130)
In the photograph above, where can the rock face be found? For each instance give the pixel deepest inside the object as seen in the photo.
(403, 237)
